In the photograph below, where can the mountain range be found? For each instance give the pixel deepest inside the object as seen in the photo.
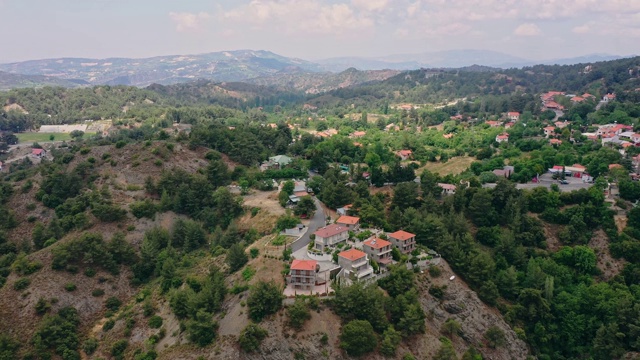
(259, 67)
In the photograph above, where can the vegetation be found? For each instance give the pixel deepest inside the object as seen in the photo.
(251, 337)
(265, 298)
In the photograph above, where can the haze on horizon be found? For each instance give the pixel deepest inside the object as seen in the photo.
(317, 29)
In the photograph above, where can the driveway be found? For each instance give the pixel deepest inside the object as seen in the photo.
(318, 220)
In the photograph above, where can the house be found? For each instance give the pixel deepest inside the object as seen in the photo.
(330, 235)
(294, 199)
(561, 124)
(355, 265)
(38, 152)
(276, 162)
(555, 142)
(492, 123)
(577, 99)
(588, 96)
(513, 115)
(392, 127)
(456, 117)
(344, 210)
(447, 189)
(302, 274)
(403, 241)
(447, 136)
(502, 138)
(309, 107)
(378, 249)
(355, 143)
(350, 222)
(509, 125)
(357, 134)
(635, 138)
(549, 131)
(404, 154)
(300, 186)
(505, 172)
(608, 97)
(615, 166)
(552, 105)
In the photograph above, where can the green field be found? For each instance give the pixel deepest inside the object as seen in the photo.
(44, 137)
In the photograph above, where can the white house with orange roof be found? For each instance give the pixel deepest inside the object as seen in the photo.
(493, 123)
(555, 142)
(403, 241)
(404, 154)
(357, 134)
(608, 97)
(379, 250)
(561, 124)
(549, 131)
(350, 222)
(330, 235)
(302, 274)
(500, 138)
(355, 265)
(447, 189)
(513, 115)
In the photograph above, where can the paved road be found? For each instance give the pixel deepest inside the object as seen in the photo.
(318, 220)
(574, 184)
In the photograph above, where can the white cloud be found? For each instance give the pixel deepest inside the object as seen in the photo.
(185, 21)
(301, 16)
(527, 29)
(582, 29)
(371, 5)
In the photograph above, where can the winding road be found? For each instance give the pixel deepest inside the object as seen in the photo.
(318, 220)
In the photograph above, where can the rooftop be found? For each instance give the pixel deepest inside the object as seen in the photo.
(309, 265)
(402, 235)
(352, 254)
(330, 230)
(348, 220)
(377, 243)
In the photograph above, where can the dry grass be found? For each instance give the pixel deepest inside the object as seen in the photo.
(454, 166)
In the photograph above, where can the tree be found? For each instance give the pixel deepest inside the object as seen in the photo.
(251, 337)
(390, 341)
(265, 298)
(306, 206)
(358, 338)
(288, 187)
(202, 329)
(446, 351)
(451, 327)
(298, 313)
(495, 337)
(76, 134)
(236, 257)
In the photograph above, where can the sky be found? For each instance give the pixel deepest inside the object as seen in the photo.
(316, 29)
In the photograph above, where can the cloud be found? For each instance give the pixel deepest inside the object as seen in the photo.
(185, 21)
(582, 29)
(371, 5)
(527, 29)
(302, 16)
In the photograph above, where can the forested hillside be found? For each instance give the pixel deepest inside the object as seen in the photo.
(164, 236)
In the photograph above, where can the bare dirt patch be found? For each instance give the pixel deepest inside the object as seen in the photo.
(454, 166)
(609, 266)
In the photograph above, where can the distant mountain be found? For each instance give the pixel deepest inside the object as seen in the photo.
(452, 59)
(314, 83)
(10, 81)
(439, 59)
(220, 66)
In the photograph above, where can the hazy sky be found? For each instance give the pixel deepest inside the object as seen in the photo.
(313, 29)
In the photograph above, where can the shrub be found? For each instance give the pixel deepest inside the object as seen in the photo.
(89, 272)
(264, 299)
(108, 325)
(434, 271)
(108, 213)
(155, 322)
(113, 303)
(358, 338)
(118, 349)
(21, 283)
(298, 313)
(251, 337)
(97, 292)
(248, 273)
(42, 307)
(254, 253)
(120, 144)
(70, 287)
(90, 345)
(144, 208)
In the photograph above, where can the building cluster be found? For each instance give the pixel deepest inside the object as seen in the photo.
(354, 264)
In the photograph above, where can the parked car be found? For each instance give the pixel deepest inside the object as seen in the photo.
(563, 182)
